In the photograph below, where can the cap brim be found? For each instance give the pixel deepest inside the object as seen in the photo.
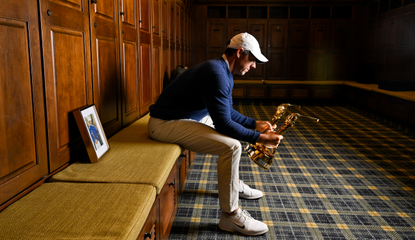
(259, 57)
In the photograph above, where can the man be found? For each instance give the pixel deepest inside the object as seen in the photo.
(195, 111)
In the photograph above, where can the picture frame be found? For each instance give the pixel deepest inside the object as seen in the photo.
(92, 133)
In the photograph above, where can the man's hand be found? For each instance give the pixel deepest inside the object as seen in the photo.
(263, 126)
(270, 140)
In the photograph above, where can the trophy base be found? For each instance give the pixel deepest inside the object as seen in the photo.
(262, 156)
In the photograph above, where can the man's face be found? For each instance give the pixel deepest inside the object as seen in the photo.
(244, 63)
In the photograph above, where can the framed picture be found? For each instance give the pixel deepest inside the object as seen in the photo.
(92, 132)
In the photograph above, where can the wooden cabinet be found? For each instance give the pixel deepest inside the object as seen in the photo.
(319, 39)
(105, 49)
(259, 29)
(67, 73)
(298, 49)
(129, 61)
(145, 51)
(339, 50)
(277, 49)
(23, 146)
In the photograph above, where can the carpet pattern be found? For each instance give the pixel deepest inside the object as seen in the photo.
(349, 176)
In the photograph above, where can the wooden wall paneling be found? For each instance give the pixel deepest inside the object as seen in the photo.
(259, 29)
(156, 78)
(23, 144)
(68, 78)
(318, 52)
(145, 55)
(178, 34)
(129, 60)
(165, 16)
(298, 39)
(105, 49)
(370, 33)
(172, 34)
(279, 92)
(277, 49)
(235, 26)
(300, 92)
(406, 46)
(257, 91)
(381, 34)
(239, 91)
(183, 43)
(339, 52)
(216, 43)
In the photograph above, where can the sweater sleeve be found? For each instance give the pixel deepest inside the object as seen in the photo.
(217, 95)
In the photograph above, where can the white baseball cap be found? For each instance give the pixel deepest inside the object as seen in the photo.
(248, 42)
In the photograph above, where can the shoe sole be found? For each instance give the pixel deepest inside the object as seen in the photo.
(251, 198)
(239, 230)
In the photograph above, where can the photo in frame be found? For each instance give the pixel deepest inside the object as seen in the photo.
(92, 132)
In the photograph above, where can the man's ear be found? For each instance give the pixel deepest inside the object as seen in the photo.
(239, 52)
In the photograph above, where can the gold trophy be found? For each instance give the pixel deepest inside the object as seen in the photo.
(260, 154)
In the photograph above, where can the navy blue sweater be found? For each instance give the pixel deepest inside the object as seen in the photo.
(201, 90)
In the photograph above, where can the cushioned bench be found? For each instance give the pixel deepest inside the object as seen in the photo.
(119, 197)
(133, 158)
(79, 211)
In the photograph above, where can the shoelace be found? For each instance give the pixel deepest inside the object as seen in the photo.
(246, 215)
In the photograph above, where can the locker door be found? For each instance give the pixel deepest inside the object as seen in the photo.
(145, 51)
(319, 37)
(129, 60)
(258, 28)
(277, 49)
(23, 144)
(298, 49)
(68, 78)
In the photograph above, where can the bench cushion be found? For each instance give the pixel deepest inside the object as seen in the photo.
(129, 160)
(79, 211)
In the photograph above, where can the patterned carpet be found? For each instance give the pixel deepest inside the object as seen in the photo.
(350, 176)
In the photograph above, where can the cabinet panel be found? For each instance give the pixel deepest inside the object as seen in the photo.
(129, 61)
(156, 18)
(258, 29)
(236, 26)
(277, 49)
(299, 34)
(297, 64)
(105, 59)
(145, 77)
(66, 43)
(277, 64)
(130, 80)
(144, 15)
(23, 146)
(407, 32)
(217, 34)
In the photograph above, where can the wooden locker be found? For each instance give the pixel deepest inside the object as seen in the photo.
(277, 49)
(298, 41)
(156, 78)
(68, 78)
(23, 143)
(258, 28)
(129, 61)
(338, 58)
(235, 26)
(145, 51)
(104, 26)
(319, 42)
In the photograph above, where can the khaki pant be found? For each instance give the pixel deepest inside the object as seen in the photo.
(201, 137)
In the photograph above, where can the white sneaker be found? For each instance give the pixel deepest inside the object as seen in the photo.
(242, 222)
(248, 193)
